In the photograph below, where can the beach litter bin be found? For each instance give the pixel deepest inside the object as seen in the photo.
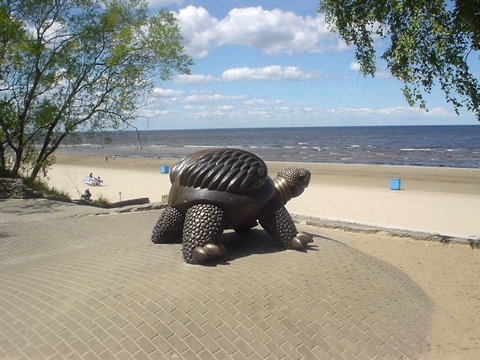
(164, 169)
(395, 184)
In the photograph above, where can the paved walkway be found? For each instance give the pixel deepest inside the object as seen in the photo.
(83, 283)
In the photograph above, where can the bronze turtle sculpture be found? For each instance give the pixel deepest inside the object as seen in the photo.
(219, 189)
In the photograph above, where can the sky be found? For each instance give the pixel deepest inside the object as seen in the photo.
(276, 64)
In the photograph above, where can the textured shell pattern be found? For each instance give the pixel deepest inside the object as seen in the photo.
(231, 170)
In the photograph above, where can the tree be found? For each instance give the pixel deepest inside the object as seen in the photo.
(429, 42)
(70, 65)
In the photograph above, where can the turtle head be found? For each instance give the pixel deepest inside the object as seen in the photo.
(291, 182)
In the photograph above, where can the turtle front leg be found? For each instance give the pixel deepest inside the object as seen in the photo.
(276, 220)
(169, 226)
(204, 224)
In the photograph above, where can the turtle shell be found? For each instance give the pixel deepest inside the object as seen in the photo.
(233, 179)
(231, 170)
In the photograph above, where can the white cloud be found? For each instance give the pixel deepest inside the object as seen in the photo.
(198, 30)
(225, 107)
(273, 72)
(355, 66)
(155, 4)
(154, 113)
(393, 111)
(192, 79)
(384, 74)
(272, 31)
(209, 97)
(207, 109)
(260, 101)
(167, 92)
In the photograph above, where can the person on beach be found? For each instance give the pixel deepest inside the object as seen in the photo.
(90, 179)
(93, 181)
(86, 195)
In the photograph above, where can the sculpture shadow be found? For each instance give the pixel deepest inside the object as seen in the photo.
(252, 242)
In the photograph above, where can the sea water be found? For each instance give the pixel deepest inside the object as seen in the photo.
(446, 146)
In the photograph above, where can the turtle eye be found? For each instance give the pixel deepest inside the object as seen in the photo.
(304, 180)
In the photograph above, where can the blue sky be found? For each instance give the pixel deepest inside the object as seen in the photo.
(276, 64)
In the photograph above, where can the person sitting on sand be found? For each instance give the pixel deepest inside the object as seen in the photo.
(86, 195)
(97, 181)
(89, 179)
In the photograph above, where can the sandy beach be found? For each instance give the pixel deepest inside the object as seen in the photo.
(444, 201)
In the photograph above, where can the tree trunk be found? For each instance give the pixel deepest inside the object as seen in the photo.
(39, 162)
(36, 169)
(18, 162)
(3, 161)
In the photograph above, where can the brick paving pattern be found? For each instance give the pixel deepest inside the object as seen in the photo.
(75, 285)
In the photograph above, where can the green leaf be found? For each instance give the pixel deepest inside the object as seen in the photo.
(428, 42)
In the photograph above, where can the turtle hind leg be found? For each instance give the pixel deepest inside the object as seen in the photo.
(276, 220)
(204, 224)
(169, 226)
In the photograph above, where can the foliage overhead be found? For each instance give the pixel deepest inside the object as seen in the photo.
(67, 65)
(429, 42)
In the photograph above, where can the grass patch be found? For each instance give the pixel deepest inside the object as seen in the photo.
(101, 202)
(51, 192)
(58, 195)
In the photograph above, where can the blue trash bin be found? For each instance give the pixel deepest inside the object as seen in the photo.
(164, 169)
(395, 184)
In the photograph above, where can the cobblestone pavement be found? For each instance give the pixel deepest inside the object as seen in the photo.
(75, 285)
